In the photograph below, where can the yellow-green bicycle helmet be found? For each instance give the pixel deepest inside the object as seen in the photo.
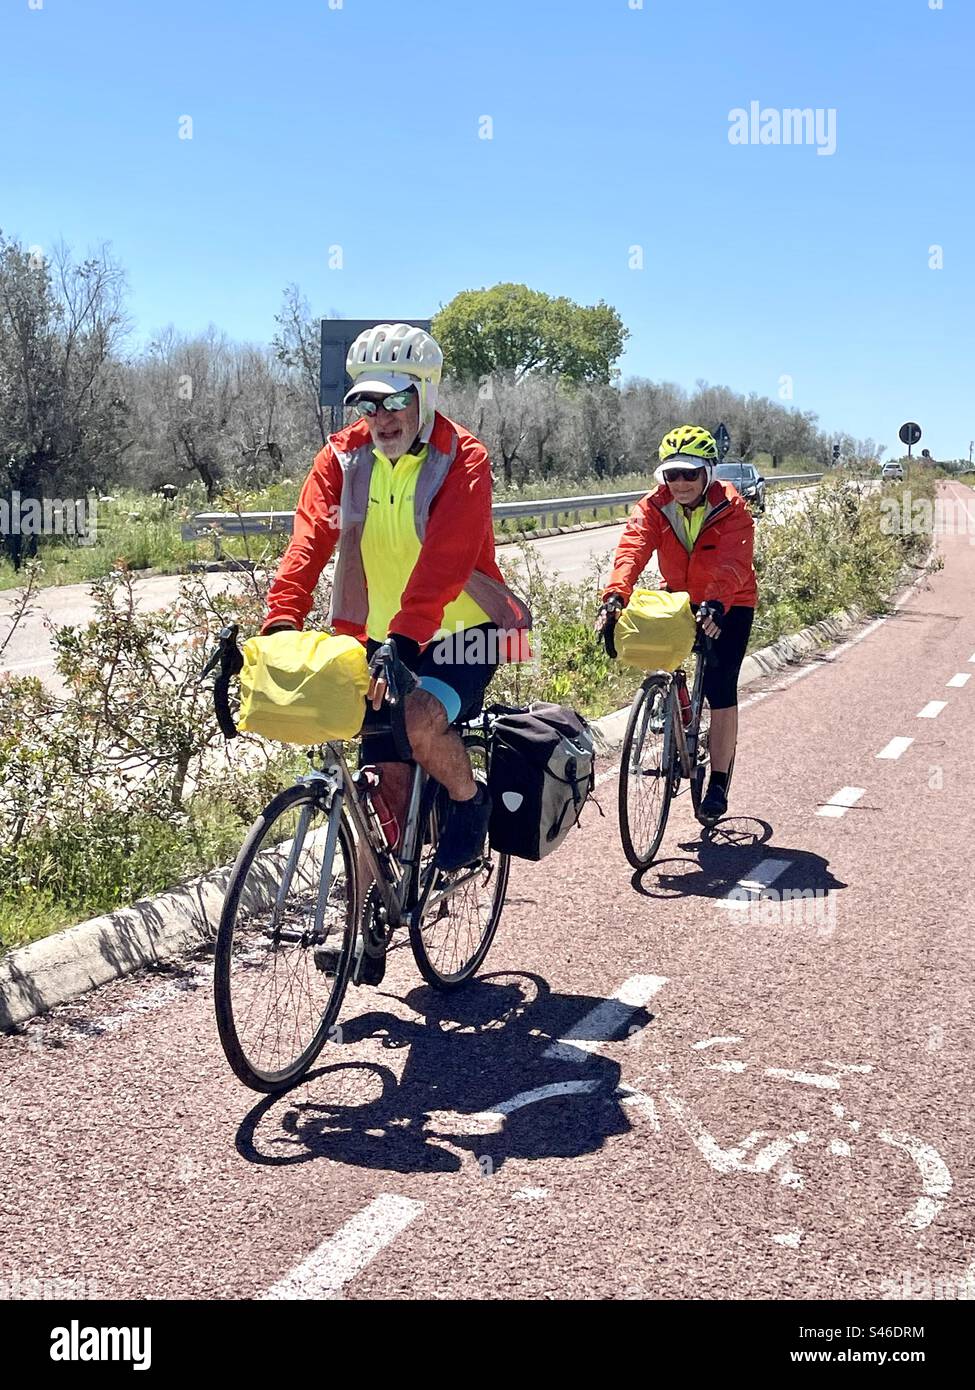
(691, 442)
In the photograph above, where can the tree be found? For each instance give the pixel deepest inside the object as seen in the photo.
(510, 328)
(298, 348)
(62, 412)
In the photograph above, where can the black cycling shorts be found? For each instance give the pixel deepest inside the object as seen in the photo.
(727, 654)
(464, 662)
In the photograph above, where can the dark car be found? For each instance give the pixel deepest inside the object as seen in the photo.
(747, 479)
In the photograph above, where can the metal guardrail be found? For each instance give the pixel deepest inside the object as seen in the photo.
(214, 524)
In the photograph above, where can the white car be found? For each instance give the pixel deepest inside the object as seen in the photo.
(892, 472)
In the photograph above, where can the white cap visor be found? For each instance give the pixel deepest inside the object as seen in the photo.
(379, 384)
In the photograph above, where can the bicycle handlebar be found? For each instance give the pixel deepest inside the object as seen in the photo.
(400, 681)
(230, 659)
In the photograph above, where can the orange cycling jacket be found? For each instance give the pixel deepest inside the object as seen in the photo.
(457, 547)
(717, 566)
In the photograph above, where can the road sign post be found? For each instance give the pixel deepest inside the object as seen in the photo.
(909, 434)
(723, 439)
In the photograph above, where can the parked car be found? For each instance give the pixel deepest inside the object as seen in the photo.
(747, 479)
(892, 473)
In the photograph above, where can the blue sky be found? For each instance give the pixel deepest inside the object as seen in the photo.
(357, 126)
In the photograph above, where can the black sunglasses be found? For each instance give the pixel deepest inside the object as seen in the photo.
(400, 400)
(681, 475)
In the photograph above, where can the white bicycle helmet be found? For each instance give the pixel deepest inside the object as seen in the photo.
(393, 356)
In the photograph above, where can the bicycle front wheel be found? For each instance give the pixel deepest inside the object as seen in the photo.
(646, 785)
(286, 939)
(455, 916)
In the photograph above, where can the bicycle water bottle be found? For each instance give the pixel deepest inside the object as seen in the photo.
(371, 782)
(685, 703)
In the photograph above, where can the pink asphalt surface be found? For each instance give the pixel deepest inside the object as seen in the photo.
(132, 1162)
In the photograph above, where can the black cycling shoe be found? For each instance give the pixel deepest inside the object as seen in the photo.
(463, 838)
(714, 805)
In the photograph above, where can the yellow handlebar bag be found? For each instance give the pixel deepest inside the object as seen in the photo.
(303, 687)
(655, 631)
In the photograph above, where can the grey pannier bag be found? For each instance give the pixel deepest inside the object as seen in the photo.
(541, 775)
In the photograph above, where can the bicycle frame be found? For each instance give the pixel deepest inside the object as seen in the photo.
(391, 871)
(677, 739)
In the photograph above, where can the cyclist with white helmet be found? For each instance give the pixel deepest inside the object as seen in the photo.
(405, 493)
(704, 538)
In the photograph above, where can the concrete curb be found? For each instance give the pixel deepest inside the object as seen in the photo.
(36, 978)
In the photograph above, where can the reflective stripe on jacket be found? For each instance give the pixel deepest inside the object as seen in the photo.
(452, 516)
(719, 565)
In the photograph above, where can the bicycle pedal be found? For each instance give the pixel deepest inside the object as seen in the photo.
(327, 959)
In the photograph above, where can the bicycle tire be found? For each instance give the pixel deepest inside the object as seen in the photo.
(494, 888)
(239, 939)
(638, 848)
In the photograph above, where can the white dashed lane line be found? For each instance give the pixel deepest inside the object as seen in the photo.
(746, 890)
(606, 1020)
(839, 804)
(932, 709)
(895, 748)
(345, 1254)
(962, 678)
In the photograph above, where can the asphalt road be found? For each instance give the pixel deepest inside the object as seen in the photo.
(669, 1087)
(29, 650)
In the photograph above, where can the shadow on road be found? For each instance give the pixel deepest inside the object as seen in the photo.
(726, 855)
(480, 1077)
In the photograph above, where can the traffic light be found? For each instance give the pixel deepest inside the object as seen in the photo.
(836, 454)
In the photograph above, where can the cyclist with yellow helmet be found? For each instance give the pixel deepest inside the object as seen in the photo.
(703, 534)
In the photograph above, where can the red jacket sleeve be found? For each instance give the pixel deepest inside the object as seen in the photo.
(636, 545)
(731, 562)
(459, 522)
(315, 534)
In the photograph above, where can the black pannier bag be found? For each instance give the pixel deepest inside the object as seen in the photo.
(542, 771)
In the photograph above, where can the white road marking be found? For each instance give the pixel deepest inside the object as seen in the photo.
(600, 1024)
(972, 657)
(639, 1100)
(793, 1180)
(725, 1066)
(713, 1042)
(839, 804)
(492, 1121)
(530, 1194)
(935, 1178)
(895, 748)
(804, 1078)
(962, 678)
(932, 709)
(840, 1148)
(746, 890)
(345, 1254)
(790, 1238)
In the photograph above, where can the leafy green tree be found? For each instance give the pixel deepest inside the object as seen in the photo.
(511, 328)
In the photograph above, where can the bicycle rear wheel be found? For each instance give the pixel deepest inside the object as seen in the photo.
(292, 889)
(646, 785)
(456, 915)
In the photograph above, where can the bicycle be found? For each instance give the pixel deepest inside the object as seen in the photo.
(666, 741)
(296, 927)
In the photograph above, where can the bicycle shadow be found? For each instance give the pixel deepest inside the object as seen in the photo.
(725, 856)
(484, 1075)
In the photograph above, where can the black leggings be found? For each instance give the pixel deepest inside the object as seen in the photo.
(727, 654)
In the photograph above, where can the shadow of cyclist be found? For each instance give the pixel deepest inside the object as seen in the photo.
(484, 1074)
(726, 855)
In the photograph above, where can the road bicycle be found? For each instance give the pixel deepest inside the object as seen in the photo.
(301, 920)
(666, 742)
